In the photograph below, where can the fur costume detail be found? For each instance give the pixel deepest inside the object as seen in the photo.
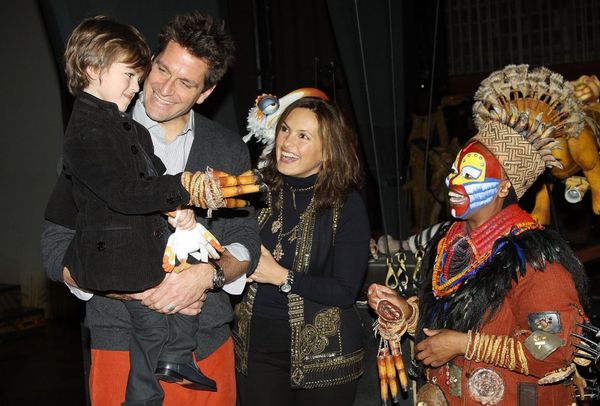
(481, 295)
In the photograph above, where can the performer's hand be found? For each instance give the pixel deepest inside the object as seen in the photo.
(268, 270)
(440, 347)
(377, 293)
(180, 290)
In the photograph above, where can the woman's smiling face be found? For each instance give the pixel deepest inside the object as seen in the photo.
(299, 148)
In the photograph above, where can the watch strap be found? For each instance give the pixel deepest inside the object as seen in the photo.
(218, 275)
(287, 284)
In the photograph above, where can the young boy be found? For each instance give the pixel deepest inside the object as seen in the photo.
(121, 233)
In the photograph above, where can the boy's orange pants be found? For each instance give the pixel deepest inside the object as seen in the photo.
(109, 371)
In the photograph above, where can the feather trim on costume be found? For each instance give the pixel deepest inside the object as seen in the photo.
(481, 296)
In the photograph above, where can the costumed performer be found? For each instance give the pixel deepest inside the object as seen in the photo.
(502, 295)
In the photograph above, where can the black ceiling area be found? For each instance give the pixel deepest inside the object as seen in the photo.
(388, 64)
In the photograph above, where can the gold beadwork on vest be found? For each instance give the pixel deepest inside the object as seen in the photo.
(313, 364)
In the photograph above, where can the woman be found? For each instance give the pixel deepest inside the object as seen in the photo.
(297, 332)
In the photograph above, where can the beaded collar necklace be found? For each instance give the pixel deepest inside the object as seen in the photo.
(461, 254)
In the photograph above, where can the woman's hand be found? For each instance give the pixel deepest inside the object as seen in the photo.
(440, 346)
(268, 270)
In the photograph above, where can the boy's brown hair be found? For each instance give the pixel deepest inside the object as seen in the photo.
(99, 42)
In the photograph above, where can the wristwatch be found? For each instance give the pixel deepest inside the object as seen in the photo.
(286, 285)
(218, 275)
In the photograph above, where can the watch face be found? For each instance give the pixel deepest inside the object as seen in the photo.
(218, 278)
(219, 283)
(285, 287)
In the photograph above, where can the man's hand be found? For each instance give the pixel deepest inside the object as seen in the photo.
(192, 308)
(232, 268)
(440, 347)
(180, 291)
(68, 279)
(195, 308)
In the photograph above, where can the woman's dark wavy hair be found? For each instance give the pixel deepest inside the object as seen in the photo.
(340, 170)
(204, 38)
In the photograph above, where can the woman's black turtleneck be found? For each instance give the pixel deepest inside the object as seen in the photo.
(269, 301)
(352, 239)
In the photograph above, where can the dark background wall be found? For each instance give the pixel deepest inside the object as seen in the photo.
(376, 58)
(30, 143)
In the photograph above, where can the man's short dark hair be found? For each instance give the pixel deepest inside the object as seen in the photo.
(204, 38)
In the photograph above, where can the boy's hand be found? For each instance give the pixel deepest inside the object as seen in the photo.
(198, 241)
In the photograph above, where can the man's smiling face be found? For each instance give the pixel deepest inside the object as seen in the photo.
(174, 84)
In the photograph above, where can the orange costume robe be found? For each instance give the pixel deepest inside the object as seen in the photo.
(516, 288)
(551, 290)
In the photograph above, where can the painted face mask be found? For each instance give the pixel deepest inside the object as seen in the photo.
(473, 181)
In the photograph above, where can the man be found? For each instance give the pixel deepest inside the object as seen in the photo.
(193, 55)
(501, 295)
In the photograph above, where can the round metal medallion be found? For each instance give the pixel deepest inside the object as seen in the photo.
(486, 386)
(431, 395)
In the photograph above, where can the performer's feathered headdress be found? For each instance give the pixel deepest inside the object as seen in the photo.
(263, 116)
(519, 113)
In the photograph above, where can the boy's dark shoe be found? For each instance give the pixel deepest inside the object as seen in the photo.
(185, 374)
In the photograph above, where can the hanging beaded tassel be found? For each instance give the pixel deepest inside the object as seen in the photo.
(396, 351)
(391, 325)
(387, 374)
